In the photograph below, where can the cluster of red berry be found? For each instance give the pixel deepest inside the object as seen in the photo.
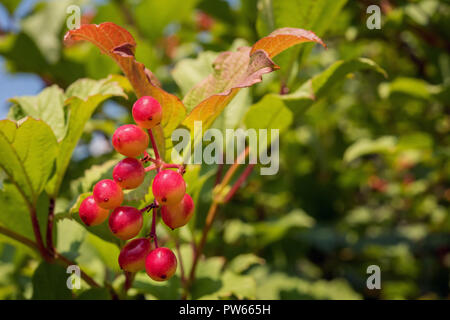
(169, 190)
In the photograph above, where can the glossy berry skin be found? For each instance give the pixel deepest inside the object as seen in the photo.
(133, 254)
(130, 140)
(108, 194)
(161, 264)
(91, 213)
(125, 222)
(178, 215)
(129, 173)
(168, 187)
(147, 112)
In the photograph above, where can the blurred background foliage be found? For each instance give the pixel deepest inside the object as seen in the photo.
(364, 168)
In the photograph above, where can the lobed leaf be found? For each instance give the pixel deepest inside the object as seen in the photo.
(23, 159)
(85, 96)
(119, 44)
(236, 70)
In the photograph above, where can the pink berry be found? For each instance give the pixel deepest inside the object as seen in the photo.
(108, 194)
(161, 264)
(130, 140)
(178, 215)
(90, 212)
(125, 222)
(133, 254)
(168, 187)
(147, 112)
(129, 173)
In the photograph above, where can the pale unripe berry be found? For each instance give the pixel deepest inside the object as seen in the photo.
(147, 112)
(108, 194)
(161, 264)
(125, 222)
(178, 215)
(129, 173)
(130, 140)
(133, 254)
(168, 187)
(91, 213)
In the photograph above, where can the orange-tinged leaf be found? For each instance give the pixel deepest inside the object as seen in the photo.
(281, 39)
(119, 44)
(236, 70)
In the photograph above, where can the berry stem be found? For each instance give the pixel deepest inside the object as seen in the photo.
(147, 158)
(150, 168)
(84, 275)
(50, 219)
(129, 277)
(172, 166)
(24, 240)
(231, 170)
(154, 145)
(38, 236)
(239, 182)
(149, 207)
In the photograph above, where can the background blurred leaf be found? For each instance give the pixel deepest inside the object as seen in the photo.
(49, 282)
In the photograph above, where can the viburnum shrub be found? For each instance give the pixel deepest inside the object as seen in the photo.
(169, 190)
(145, 186)
(156, 114)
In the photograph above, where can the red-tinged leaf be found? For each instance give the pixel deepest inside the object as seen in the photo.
(119, 44)
(281, 39)
(236, 70)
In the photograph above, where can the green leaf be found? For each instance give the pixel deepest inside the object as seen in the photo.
(365, 146)
(143, 192)
(307, 14)
(277, 285)
(44, 25)
(91, 176)
(271, 231)
(244, 261)
(317, 87)
(188, 72)
(47, 106)
(415, 88)
(263, 233)
(167, 290)
(15, 213)
(242, 287)
(85, 96)
(269, 113)
(23, 159)
(168, 11)
(50, 282)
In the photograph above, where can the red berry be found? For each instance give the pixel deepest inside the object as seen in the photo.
(90, 212)
(147, 112)
(161, 264)
(133, 254)
(178, 215)
(125, 222)
(130, 140)
(129, 173)
(108, 194)
(168, 187)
